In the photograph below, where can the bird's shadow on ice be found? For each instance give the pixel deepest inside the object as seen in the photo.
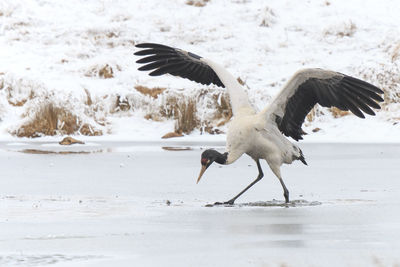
(272, 203)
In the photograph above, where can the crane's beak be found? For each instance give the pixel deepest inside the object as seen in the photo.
(203, 169)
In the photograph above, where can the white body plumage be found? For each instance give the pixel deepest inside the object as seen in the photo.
(248, 132)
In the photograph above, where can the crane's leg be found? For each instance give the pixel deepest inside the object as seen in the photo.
(259, 177)
(277, 171)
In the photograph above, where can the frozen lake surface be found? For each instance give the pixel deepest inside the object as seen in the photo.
(132, 204)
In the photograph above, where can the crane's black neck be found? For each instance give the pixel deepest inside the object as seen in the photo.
(214, 155)
(221, 159)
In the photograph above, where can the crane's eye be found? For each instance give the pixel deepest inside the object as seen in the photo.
(204, 161)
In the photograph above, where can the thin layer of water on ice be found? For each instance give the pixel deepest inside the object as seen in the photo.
(277, 203)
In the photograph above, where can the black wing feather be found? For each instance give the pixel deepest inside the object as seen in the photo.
(175, 66)
(359, 102)
(341, 91)
(157, 64)
(154, 58)
(153, 45)
(162, 59)
(366, 98)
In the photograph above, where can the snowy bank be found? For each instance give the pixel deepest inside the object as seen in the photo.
(76, 57)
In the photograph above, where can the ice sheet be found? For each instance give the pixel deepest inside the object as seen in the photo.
(132, 207)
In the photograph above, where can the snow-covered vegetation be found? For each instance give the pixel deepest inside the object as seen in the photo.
(67, 67)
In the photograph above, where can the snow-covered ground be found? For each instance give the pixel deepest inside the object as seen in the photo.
(52, 52)
(130, 204)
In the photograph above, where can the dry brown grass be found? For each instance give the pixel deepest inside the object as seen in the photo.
(89, 101)
(223, 111)
(168, 109)
(153, 117)
(180, 108)
(186, 119)
(106, 72)
(17, 103)
(337, 113)
(10, 96)
(89, 130)
(208, 128)
(198, 3)
(396, 52)
(153, 92)
(121, 104)
(184, 110)
(388, 79)
(49, 120)
(311, 115)
(316, 111)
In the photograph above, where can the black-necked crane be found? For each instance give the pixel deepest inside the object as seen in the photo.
(261, 135)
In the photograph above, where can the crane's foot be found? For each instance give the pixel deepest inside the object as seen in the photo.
(229, 202)
(286, 195)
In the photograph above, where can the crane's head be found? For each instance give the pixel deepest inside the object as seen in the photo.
(208, 157)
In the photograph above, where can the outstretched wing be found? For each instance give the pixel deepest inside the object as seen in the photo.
(327, 88)
(163, 59)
